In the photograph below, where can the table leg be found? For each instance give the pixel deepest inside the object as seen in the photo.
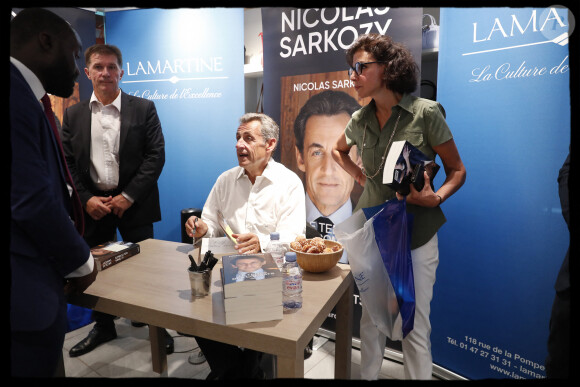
(343, 346)
(290, 367)
(158, 353)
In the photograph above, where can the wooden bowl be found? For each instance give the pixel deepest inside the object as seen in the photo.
(318, 263)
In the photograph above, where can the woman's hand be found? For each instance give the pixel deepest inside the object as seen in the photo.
(455, 175)
(361, 178)
(425, 198)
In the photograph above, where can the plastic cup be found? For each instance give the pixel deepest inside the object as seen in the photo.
(200, 282)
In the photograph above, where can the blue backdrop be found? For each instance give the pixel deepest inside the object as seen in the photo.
(190, 63)
(504, 82)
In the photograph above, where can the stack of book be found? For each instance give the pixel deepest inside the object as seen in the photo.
(111, 253)
(405, 165)
(252, 288)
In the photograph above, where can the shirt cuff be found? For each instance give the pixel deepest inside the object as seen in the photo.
(129, 198)
(85, 269)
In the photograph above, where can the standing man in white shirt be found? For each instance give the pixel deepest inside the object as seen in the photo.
(115, 151)
(257, 197)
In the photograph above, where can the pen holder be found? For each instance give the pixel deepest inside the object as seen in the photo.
(200, 282)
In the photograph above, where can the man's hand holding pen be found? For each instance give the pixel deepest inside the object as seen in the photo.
(195, 227)
(246, 243)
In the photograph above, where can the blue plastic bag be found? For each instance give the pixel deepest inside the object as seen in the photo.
(378, 243)
(78, 317)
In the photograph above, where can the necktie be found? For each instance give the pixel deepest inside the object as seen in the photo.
(324, 226)
(249, 277)
(76, 201)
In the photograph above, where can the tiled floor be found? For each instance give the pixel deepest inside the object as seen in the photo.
(129, 356)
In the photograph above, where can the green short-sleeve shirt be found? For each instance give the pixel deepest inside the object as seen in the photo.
(422, 123)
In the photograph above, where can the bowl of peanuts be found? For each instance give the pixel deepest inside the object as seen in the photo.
(316, 255)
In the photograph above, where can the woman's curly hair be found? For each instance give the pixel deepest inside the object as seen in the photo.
(401, 71)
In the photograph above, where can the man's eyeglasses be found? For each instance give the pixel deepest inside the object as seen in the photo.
(359, 67)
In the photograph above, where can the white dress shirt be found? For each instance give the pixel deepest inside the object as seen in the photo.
(105, 137)
(105, 134)
(38, 91)
(275, 202)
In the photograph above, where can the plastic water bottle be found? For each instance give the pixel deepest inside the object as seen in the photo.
(276, 248)
(291, 283)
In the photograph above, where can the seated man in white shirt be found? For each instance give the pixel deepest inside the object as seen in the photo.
(257, 197)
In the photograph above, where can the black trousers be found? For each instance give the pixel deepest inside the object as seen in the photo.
(558, 359)
(229, 361)
(104, 230)
(39, 353)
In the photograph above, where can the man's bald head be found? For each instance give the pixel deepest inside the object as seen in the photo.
(48, 45)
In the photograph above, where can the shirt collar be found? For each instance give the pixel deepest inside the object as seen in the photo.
(258, 274)
(268, 171)
(116, 103)
(341, 214)
(406, 103)
(30, 78)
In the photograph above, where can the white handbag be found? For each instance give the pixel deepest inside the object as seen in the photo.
(430, 33)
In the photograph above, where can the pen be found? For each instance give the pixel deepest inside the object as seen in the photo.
(193, 266)
(203, 264)
(193, 231)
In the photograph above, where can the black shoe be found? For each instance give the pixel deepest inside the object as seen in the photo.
(213, 376)
(308, 349)
(259, 375)
(95, 338)
(137, 324)
(169, 345)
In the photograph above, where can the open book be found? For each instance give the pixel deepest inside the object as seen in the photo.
(217, 245)
(225, 227)
(405, 165)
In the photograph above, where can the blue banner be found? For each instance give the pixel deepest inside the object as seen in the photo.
(503, 79)
(190, 63)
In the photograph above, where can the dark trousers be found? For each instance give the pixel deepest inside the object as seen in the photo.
(229, 361)
(39, 353)
(105, 230)
(558, 359)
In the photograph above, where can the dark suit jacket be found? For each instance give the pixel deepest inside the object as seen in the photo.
(141, 155)
(563, 279)
(44, 244)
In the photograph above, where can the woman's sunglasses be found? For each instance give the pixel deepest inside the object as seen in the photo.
(359, 67)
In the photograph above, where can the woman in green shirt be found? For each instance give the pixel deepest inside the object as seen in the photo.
(386, 72)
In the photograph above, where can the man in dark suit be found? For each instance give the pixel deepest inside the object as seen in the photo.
(46, 249)
(115, 150)
(558, 360)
